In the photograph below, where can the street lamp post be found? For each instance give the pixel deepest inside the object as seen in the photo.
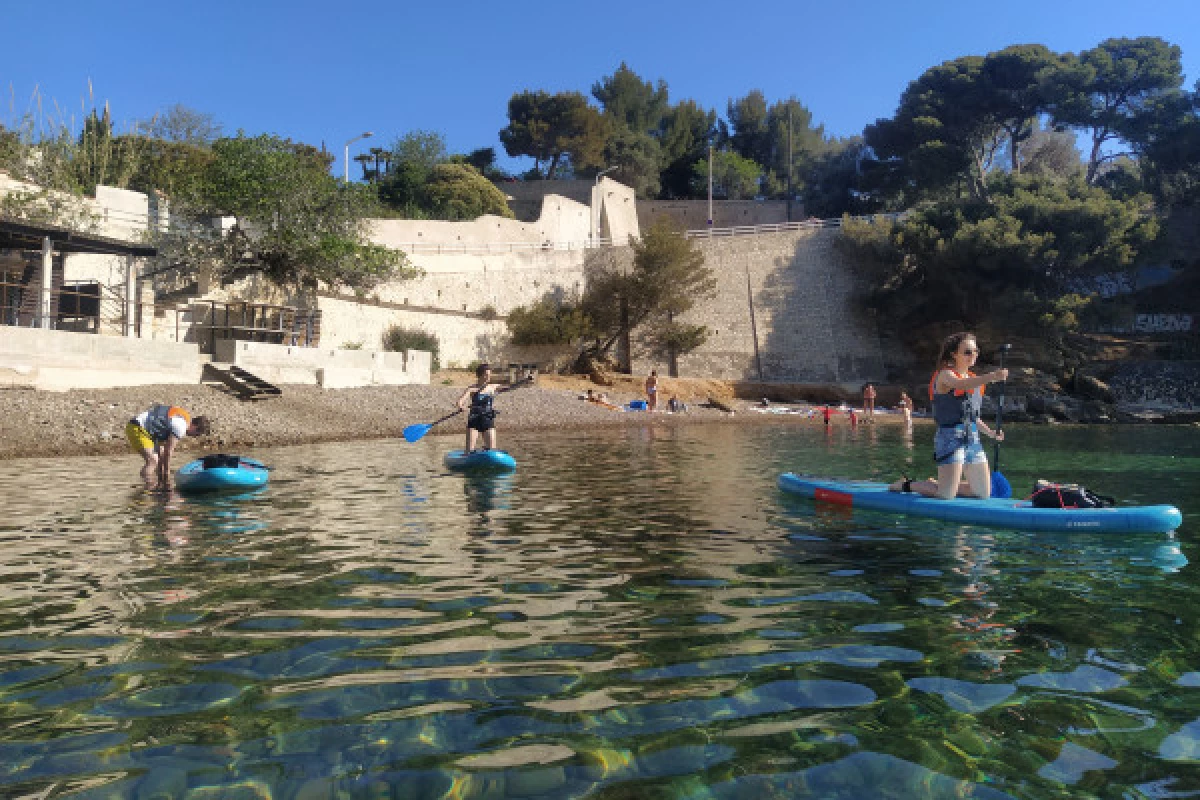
(710, 185)
(346, 155)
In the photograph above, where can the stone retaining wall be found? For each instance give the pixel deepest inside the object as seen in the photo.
(59, 360)
(810, 326)
(331, 369)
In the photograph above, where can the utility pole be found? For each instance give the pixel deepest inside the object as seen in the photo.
(710, 181)
(790, 190)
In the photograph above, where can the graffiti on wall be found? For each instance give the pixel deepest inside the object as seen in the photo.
(1163, 323)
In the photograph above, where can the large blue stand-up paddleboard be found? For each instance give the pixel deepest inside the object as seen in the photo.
(494, 460)
(1010, 513)
(221, 472)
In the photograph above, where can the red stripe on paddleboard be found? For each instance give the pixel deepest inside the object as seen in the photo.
(833, 496)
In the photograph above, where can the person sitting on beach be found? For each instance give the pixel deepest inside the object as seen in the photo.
(675, 406)
(589, 395)
(154, 433)
(956, 394)
(481, 416)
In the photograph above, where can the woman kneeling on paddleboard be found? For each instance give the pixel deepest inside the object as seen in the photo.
(957, 394)
(481, 417)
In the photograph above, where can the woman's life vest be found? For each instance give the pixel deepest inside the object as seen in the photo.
(956, 407)
(481, 406)
(158, 421)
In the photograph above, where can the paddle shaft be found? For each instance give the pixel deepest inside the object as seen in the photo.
(999, 412)
(451, 415)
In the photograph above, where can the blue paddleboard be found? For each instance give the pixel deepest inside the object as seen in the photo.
(995, 512)
(496, 460)
(220, 472)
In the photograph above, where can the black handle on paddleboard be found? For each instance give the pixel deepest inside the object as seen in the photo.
(1004, 348)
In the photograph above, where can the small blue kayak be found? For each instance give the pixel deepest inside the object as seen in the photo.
(994, 512)
(221, 472)
(495, 460)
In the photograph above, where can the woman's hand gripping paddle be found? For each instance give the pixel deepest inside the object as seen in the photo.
(414, 433)
(1001, 488)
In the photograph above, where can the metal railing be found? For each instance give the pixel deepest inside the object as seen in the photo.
(782, 227)
(255, 322)
(84, 307)
(452, 248)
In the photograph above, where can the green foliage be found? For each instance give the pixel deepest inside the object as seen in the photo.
(673, 338)
(687, 131)
(631, 103)
(548, 321)
(943, 133)
(734, 177)
(668, 276)
(832, 184)
(302, 226)
(419, 150)
(549, 128)
(182, 125)
(748, 130)
(458, 191)
(952, 259)
(1114, 92)
(400, 189)
(398, 339)
(177, 169)
(636, 156)
(1062, 314)
(484, 160)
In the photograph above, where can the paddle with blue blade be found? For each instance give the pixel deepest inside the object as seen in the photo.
(1000, 486)
(414, 433)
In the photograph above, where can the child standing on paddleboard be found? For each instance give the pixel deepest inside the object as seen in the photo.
(956, 394)
(476, 400)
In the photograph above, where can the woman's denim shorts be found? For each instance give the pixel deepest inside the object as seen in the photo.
(958, 445)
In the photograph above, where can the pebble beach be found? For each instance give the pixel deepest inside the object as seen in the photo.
(92, 422)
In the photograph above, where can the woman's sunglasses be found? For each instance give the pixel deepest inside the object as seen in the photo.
(970, 352)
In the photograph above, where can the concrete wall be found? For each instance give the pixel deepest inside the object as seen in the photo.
(810, 329)
(692, 215)
(462, 338)
(59, 360)
(525, 197)
(616, 206)
(329, 368)
(561, 221)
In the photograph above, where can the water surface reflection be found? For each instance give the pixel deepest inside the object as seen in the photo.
(631, 613)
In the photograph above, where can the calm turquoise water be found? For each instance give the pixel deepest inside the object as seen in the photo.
(633, 614)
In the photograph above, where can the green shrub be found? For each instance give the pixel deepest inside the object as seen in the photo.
(547, 322)
(489, 313)
(397, 339)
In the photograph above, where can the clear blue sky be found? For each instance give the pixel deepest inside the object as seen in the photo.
(317, 71)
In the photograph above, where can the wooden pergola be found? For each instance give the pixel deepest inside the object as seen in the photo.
(51, 239)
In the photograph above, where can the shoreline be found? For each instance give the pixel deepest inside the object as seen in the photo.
(92, 422)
